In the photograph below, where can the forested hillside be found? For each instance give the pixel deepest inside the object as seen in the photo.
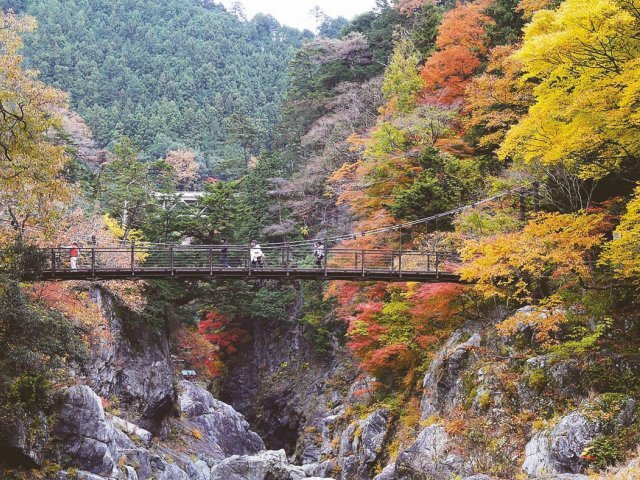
(175, 74)
(524, 365)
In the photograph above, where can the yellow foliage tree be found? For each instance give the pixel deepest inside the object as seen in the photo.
(623, 253)
(549, 253)
(496, 100)
(585, 59)
(32, 191)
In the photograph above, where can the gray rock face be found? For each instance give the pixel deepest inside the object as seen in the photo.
(226, 430)
(19, 445)
(132, 362)
(387, 473)
(267, 465)
(285, 388)
(558, 450)
(130, 429)
(87, 438)
(442, 383)
(428, 457)
(361, 443)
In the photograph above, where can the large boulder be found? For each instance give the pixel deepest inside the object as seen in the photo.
(429, 457)
(558, 450)
(267, 465)
(224, 431)
(443, 383)
(87, 440)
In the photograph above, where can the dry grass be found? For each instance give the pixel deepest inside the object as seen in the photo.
(630, 471)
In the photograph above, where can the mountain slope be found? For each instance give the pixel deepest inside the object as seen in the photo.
(168, 74)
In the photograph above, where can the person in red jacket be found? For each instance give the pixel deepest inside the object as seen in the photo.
(74, 253)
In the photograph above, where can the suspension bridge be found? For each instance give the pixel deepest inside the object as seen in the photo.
(234, 262)
(295, 260)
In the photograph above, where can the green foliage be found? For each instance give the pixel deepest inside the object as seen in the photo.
(318, 317)
(402, 81)
(424, 28)
(537, 380)
(507, 28)
(224, 218)
(29, 391)
(37, 348)
(378, 27)
(602, 452)
(444, 182)
(127, 185)
(273, 305)
(167, 74)
(23, 261)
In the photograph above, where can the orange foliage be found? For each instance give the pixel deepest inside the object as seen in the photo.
(222, 339)
(198, 352)
(530, 7)
(461, 51)
(393, 327)
(66, 298)
(408, 7)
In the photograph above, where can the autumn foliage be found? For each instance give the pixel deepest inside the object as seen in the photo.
(225, 337)
(395, 326)
(550, 252)
(461, 50)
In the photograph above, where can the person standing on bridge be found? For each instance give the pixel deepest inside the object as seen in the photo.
(318, 252)
(255, 252)
(74, 253)
(224, 252)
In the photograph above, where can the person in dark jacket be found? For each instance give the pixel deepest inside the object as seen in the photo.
(224, 253)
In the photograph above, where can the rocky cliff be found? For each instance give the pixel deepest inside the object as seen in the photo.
(481, 411)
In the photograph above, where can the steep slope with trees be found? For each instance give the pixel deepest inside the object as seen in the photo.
(178, 74)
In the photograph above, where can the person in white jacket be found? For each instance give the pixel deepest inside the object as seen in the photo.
(255, 252)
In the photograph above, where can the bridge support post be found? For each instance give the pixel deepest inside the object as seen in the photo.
(247, 259)
(93, 262)
(133, 262)
(363, 272)
(210, 254)
(326, 257)
(287, 257)
(171, 269)
(53, 260)
(400, 263)
(437, 266)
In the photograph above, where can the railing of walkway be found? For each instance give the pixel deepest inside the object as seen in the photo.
(215, 258)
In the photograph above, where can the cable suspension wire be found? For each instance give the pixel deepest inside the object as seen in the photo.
(412, 223)
(350, 236)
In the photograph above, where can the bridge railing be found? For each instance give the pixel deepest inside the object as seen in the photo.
(216, 257)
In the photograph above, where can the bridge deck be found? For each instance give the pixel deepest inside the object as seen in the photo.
(284, 262)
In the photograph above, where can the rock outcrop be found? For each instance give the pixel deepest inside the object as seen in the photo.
(361, 443)
(267, 465)
(559, 450)
(132, 362)
(428, 457)
(85, 435)
(443, 382)
(224, 431)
